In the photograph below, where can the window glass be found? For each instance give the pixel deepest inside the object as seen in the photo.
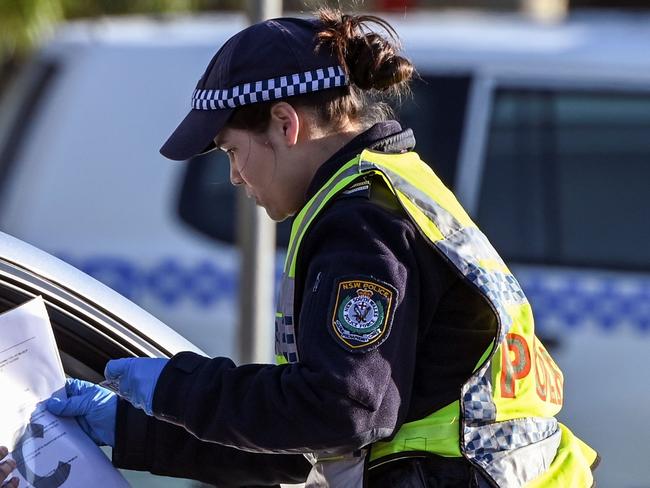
(20, 98)
(436, 113)
(207, 199)
(566, 177)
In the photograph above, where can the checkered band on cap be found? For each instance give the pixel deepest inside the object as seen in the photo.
(271, 89)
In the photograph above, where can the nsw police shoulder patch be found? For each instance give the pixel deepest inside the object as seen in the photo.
(362, 312)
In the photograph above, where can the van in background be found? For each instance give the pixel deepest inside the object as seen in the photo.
(543, 132)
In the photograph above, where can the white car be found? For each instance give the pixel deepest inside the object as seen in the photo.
(543, 131)
(92, 323)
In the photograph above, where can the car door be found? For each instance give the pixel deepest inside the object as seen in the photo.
(92, 323)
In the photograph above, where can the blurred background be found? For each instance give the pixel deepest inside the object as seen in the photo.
(535, 112)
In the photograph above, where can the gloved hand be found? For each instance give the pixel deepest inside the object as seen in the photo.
(136, 379)
(94, 407)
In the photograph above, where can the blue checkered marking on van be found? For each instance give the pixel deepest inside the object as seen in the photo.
(559, 299)
(271, 89)
(172, 282)
(575, 299)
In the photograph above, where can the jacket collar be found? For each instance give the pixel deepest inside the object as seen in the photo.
(385, 136)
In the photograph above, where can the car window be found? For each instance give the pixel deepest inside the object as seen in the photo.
(435, 111)
(83, 356)
(565, 178)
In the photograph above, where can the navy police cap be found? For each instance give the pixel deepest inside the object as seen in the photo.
(271, 60)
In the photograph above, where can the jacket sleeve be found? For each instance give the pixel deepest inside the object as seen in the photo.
(144, 443)
(333, 399)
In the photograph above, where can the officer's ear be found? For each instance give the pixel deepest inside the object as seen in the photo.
(284, 125)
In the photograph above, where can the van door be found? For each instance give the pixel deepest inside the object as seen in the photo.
(564, 198)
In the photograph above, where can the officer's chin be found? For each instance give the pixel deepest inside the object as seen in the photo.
(276, 218)
(275, 214)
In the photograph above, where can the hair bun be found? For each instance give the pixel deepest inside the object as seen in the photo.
(370, 59)
(373, 64)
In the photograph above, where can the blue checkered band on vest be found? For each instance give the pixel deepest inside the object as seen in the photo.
(272, 89)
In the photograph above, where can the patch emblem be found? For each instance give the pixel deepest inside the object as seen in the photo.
(362, 313)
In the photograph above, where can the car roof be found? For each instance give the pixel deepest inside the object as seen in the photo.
(589, 45)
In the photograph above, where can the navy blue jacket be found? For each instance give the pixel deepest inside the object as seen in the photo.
(333, 397)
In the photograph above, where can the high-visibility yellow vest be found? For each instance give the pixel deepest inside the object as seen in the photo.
(503, 421)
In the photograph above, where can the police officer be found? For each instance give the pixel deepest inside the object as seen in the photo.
(406, 348)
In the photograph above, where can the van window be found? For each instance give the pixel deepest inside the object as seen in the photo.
(435, 112)
(31, 89)
(207, 200)
(566, 176)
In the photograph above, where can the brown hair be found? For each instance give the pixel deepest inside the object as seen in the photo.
(372, 62)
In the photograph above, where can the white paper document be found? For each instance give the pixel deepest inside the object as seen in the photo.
(49, 451)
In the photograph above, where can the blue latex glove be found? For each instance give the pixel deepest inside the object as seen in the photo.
(94, 407)
(135, 379)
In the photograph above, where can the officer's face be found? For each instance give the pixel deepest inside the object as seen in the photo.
(267, 171)
(277, 166)
(245, 152)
